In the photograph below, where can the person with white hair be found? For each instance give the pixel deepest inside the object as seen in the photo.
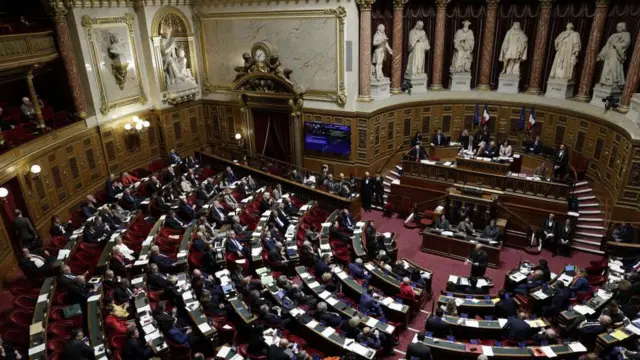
(357, 270)
(332, 319)
(266, 202)
(277, 352)
(369, 338)
(406, 289)
(165, 263)
(29, 111)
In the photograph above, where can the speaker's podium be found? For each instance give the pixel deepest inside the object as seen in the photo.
(466, 201)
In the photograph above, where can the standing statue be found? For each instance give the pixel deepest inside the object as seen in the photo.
(418, 46)
(463, 42)
(514, 50)
(381, 46)
(168, 51)
(614, 54)
(567, 46)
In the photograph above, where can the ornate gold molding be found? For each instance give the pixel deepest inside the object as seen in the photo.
(493, 3)
(90, 24)
(399, 4)
(546, 3)
(59, 15)
(365, 4)
(602, 3)
(23, 50)
(441, 4)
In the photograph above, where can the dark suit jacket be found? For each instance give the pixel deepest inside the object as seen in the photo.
(24, 229)
(164, 320)
(417, 155)
(518, 330)
(561, 161)
(331, 319)
(231, 246)
(505, 308)
(110, 190)
(537, 147)
(165, 264)
(131, 201)
(275, 258)
(437, 326)
(490, 233)
(464, 140)
(134, 349)
(78, 294)
(276, 353)
(321, 268)
(568, 235)
(218, 216)
(560, 299)
(439, 140)
(172, 223)
(157, 282)
(419, 351)
(65, 281)
(77, 350)
(550, 227)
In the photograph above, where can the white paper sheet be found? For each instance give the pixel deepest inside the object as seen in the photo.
(93, 298)
(36, 349)
(487, 350)
(453, 279)
(371, 322)
(548, 351)
(577, 347)
(204, 327)
(43, 298)
(223, 352)
(328, 331)
(502, 322)
(472, 323)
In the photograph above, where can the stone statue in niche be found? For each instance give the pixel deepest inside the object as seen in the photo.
(463, 43)
(614, 53)
(567, 46)
(119, 66)
(168, 50)
(381, 47)
(418, 47)
(514, 50)
(184, 72)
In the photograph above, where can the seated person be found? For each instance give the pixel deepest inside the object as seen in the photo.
(300, 298)
(329, 283)
(218, 214)
(357, 270)
(406, 290)
(181, 336)
(544, 267)
(517, 329)
(368, 304)
(37, 261)
(127, 179)
(58, 228)
(277, 351)
(187, 211)
(491, 231)
(536, 281)
(272, 318)
(235, 246)
(435, 324)
(439, 139)
(369, 338)
(580, 284)
(74, 348)
(165, 263)
(623, 233)
(289, 208)
(351, 328)
(346, 221)
(466, 226)
(277, 257)
(559, 301)
(549, 230)
(541, 171)
(172, 221)
(240, 230)
(489, 151)
(536, 147)
(565, 237)
(417, 153)
(548, 335)
(399, 269)
(212, 305)
(617, 316)
(155, 279)
(442, 223)
(118, 311)
(200, 242)
(331, 185)
(419, 350)
(322, 265)
(114, 324)
(506, 307)
(134, 348)
(505, 149)
(590, 329)
(332, 319)
(334, 232)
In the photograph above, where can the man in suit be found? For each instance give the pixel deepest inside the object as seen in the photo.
(289, 209)
(272, 318)
(565, 237)
(549, 231)
(623, 233)
(25, 233)
(67, 278)
(277, 352)
(346, 221)
(366, 191)
(330, 318)
(357, 271)
(37, 262)
(165, 263)
(134, 348)
(235, 246)
(173, 157)
(591, 329)
(369, 338)
(418, 350)
(322, 265)
(378, 190)
(417, 153)
(156, 280)
(218, 214)
(536, 147)
(153, 186)
(331, 185)
(439, 139)
(559, 302)
(506, 307)
(560, 163)
(491, 231)
(111, 188)
(295, 176)
(276, 258)
(229, 175)
(76, 348)
(164, 319)
(442, 223)
(479, 261)
(187, 211)
(517, 328)
(436, 325)
(579, 283)
(540, 171)
(369, 305)
(466, 226)
(536, 281)
(464, 139)
(79, 293)
(170, 175)
(334, 232)
(129, 201)
(266, 202)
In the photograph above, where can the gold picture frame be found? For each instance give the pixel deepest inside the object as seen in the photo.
(338, 95)
(91, 25)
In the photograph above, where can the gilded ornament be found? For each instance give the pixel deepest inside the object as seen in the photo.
(365, 4)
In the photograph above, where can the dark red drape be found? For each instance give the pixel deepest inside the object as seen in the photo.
(260, 124)
(13, 201)
(272, 128)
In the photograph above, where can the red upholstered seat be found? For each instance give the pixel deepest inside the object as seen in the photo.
(21, 317)
(117, 341)
(56, 344)
(61, 329)
(16, 336)
(59, 241)
(25, 302)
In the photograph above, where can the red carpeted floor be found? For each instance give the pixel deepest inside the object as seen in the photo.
(409, 243)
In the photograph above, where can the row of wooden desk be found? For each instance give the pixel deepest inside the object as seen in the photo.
(456, 248)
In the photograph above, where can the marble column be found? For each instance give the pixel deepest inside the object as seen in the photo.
(396, 61)
(632, 80)
(69, 60)
(365, 50)
(593, 47)
(438, 45)
(540, 47)
(34, 98)
(486, 52)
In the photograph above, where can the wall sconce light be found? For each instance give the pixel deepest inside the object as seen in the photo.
(239, 140)
(35, 171)
(137, 126)
(3, 194)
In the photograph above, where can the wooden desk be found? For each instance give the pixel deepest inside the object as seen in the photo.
(456, 248)
(239, 307)
(141, 304)
(443, 152)
(71, 244)
(143, 256)
(472, 305)
(389, 283)
(487, 329)
(94, 321)
(325, 247)
(479, 165)
(40, 315)
(411, 266)
(185, 243)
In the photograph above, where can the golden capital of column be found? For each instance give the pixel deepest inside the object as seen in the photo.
(399, 4)
(493, 3)
(602, 3)
(546, 3)
(59, 14)
(365, 4)
(441, 4)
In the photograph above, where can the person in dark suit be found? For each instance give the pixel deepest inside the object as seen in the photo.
(544, 267)
(490, 150)
(322, 265)
(479, 261)
(181, 336)
(464, 139)
(218, 214)
(416, 139)
(229, 175)
(439, 139)
(418, 349)
(208, 261)
(187, 211)
(483, 135)
(266, 202)
(623, 233)
(366, 191)
(378, 190)
(517, 329)
(549, 230)
(134, 348)
(165, 263)
(129, 201)
(536, 147)
(25, 233)
(330, 318)
(174, 158)
(334, 232)
(277, 352)
(436, 325)
(79, 293)
(559, 302)
(369, 305)
(111, 188)
(67, 278)
(76, 349)
(491, 231)
(579, 283)
(565, 237)
(172, 222)
(351, 328)
(346, 221)
(280, 222)
(36, 261)
(276, 258)
(417, 153)
(536, 281)
(164, 319)
(153, 186)
(58, 228)
(294, 175)
(156, 280)
(591, 329)
(369, 338)
(90, 234)
(506, 307)
(442, 223)
(289, 208)
(235, 246)
(190, 162)
(271, 319)
(560, 163)
(357, 271)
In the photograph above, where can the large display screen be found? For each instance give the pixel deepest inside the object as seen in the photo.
(327, 138)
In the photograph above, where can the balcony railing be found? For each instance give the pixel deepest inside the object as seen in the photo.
(28, 49)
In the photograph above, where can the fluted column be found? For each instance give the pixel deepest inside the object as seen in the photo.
(365, 50)
(68, 58)
(438, 45)
(396, 61)
(540, 47)
(595, 38)
(632, 80)
(486, 52)
(34, 99)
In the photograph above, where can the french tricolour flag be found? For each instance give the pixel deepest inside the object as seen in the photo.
(485, 115)
(532, 118)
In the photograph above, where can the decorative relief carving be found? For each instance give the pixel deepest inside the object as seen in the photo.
(634, 175)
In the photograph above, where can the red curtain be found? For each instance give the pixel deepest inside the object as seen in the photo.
(13, 201)
(260, 124)
(272, 128)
